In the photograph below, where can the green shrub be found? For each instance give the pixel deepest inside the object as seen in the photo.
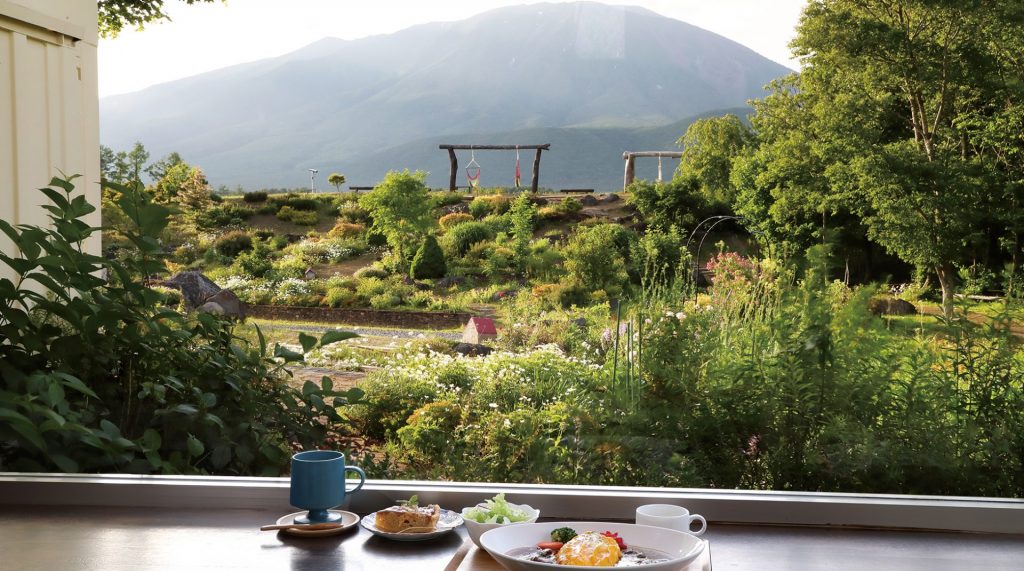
(593, 260)
(296, 202)
(390, 398)
(461, 238)
(371, 272)
(301, 217)
(428, 263)
(678, 202)
(254, 197)
(353, 213)
(221, 216)
(256, 262)
(233, 243)
(346, 230)
(268, 209)
(480, 207)
(386, 300)
(447, 221)
(101, 377)
(340, 297)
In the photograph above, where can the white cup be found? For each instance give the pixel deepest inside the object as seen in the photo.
(671, 517)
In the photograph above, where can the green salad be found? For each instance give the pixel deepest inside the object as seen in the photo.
(496, 510)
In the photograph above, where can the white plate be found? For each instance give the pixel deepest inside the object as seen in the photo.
(446, 523)
(681, 548)
(348, 519)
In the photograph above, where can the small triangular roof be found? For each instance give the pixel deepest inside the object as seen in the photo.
(484, 325)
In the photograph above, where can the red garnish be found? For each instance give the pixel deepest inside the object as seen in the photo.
(551, 545)
(615, 536)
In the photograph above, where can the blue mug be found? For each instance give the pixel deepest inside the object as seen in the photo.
(318, 484)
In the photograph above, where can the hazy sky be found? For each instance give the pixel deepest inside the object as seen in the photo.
(207, 37)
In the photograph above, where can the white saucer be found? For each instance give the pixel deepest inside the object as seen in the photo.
(348, 519)
(446, 523)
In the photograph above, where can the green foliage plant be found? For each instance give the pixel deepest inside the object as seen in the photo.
(447, 221)
(677, 202)
(233, 243)
(462, 237)
(429, 262)
(255, 197)
(593, 261)
(523, 216)
(400, 208)
(100, 376)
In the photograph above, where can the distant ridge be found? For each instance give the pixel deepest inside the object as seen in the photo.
(585, 74)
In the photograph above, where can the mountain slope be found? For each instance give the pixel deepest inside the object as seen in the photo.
(524, 67)
(580, 157)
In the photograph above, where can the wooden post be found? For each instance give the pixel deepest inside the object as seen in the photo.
(630, 172)
(452, 183)
(536, 172)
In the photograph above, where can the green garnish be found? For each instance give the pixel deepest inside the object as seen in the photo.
(563, 534)
(496, 510)
(413, 502)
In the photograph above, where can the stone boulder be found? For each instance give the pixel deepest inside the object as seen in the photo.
(609, 198)
(195, 288)
(589, 200)
(891, 306)
(457, 208)
(473, 350)
(201, 294)
(449, 281)
(225, 303)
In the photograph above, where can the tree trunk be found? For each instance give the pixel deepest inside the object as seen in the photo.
(945, 274)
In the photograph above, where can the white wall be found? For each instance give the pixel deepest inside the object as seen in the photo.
(49, 107)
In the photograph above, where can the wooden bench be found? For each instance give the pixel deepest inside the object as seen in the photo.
(358, 188)
(577, 190)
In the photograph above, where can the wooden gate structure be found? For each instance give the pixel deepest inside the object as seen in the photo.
(630, 158)
(454, 160)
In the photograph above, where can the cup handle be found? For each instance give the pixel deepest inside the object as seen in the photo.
(703, 524)
(362, 478)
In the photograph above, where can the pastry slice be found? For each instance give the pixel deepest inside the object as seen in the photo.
(399, 518)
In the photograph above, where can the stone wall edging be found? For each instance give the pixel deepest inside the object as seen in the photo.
(366, 317)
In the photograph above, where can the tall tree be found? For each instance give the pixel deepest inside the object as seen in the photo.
(114, 15)
(901, 78)
(779, 178)
(336, 179)
(709, 147)
(158, 170)
(400, 209)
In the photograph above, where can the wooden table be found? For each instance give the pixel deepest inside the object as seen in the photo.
(112, 539)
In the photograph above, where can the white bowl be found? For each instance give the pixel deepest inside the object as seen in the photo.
(476, 529)
(681, 548)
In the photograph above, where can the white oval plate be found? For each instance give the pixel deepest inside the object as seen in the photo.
(446, 523)
(682, 548)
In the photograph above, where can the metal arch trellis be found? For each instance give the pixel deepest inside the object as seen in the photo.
(715, 221)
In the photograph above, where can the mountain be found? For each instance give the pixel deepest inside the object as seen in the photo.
(514, 72)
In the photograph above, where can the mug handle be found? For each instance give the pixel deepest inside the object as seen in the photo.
(362, 478)
(703, 524)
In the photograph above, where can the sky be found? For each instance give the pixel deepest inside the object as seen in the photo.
(205, 37)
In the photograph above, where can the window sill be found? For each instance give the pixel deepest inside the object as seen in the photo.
(964, 514)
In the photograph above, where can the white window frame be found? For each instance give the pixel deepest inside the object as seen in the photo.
(963, 514)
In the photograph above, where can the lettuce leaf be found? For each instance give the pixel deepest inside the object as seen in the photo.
(496, 510)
